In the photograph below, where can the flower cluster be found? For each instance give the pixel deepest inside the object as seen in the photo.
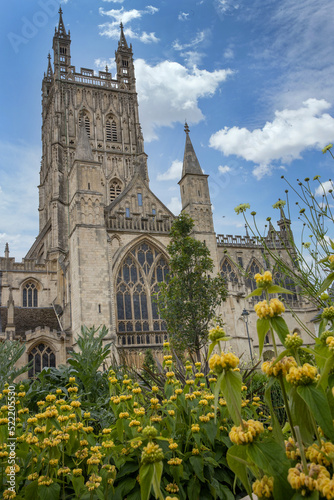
(266, 311)
(328, 313)
(293, 341)
(241, 208)
(224, 361)
(264, 280)
(152, 453)
(216, 334)
(302, 375)
(330, 343)
(314, 480)
(247, 432)
(264, 488)
(280, 367)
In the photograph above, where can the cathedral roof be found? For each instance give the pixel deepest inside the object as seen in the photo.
(190, 162)
(30, 318)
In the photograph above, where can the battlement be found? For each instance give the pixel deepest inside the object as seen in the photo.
(228, 240)
(88, 77)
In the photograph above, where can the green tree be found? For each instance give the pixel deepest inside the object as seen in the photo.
(189, 300)
(10, 352)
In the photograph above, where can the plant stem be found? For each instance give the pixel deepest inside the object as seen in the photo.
(298, 440)
(287, 407)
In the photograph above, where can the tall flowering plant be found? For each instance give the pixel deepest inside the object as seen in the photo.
(297, 461)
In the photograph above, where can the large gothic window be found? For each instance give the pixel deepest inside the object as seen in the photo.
(115, 189)
(85, 118)
(41, 356)
(252, 269)
(111, 130)
(285, 282)
(137, 284)
(229, 272)
(30, 295)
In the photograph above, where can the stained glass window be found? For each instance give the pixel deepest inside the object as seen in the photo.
(137, 285)
(30, 295)
(41, 357)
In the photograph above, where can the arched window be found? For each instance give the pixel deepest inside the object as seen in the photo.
(84, 116)
(41, 357)
(114, 189)
(111, 131)
(30, 295)
(137, 285)
(285, 282)
(229, 272)
(252, 269)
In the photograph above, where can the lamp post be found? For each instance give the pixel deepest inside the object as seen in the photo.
(244, 316)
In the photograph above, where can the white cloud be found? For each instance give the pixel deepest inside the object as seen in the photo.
(19, 167)
(198, 40)
(224, 6)
(324, 188)
(224, 169)
(173, 173)
(175, 205)
(111, 30)
(192, 58)
(102, 63)
(183, 16)
(113, 1)
(284, 139)
(229, 53)
(169, 93)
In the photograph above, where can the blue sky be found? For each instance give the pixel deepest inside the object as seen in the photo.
(253, 79)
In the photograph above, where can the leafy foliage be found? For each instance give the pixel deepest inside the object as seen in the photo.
(10, 352)
(189, 300)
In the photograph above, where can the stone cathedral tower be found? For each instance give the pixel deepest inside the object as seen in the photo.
(103, 235)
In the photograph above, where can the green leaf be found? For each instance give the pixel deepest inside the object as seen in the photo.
(146, 473)
(262, 326)
(312, 496)
(30, 490)
(49, 492)
(301, 415)
(317, 402)
(255, 293)
(158, 468)
(278, 289)
(329, 365)
(197, 465)
(326, 283)
(216, 393)
(270, 457)
(237, 461)
(123, 488)
(322, 326)
(193, 488)
(211, 348)
(280, 327)
(231, 388)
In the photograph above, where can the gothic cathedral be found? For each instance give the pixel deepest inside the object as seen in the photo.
(101, 248)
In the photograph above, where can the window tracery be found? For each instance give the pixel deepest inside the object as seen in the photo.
(30, 295)
(229, 272)
(111, 130)
(285, 282)
(137, 285)
(41, 357)
(252, 269)
(115, 189)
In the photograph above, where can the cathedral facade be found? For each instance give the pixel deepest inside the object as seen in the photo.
(101, 250)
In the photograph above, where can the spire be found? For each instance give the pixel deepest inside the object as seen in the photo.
(190, 162)
(122, 40)
(49, 72)
(6, 251)
(61, 27)
(84, 150)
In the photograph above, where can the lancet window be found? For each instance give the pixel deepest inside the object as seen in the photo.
(285, 282)
(30, 295)
(137, 286)
(41, 357)
(252, 269)
(115, 189)
(229, 272)
(111, 131)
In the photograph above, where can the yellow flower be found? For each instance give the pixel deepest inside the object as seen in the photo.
(266, 311)
(195, 451)
(246, 433)
(330, 342)
(71, 380)
(293, 341)
(216, 333)
(302, 375)
(45, 480)
(264, 488)
(134, 423)
(227, 361)
(175, 461)
(77, 472)
(281, 367)
(152, 453)
(265, 280)
(123, 414)
(75, 404)
(171, 413)
(195, 428)
(306, 483)
(7, 494)
(172, 488)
